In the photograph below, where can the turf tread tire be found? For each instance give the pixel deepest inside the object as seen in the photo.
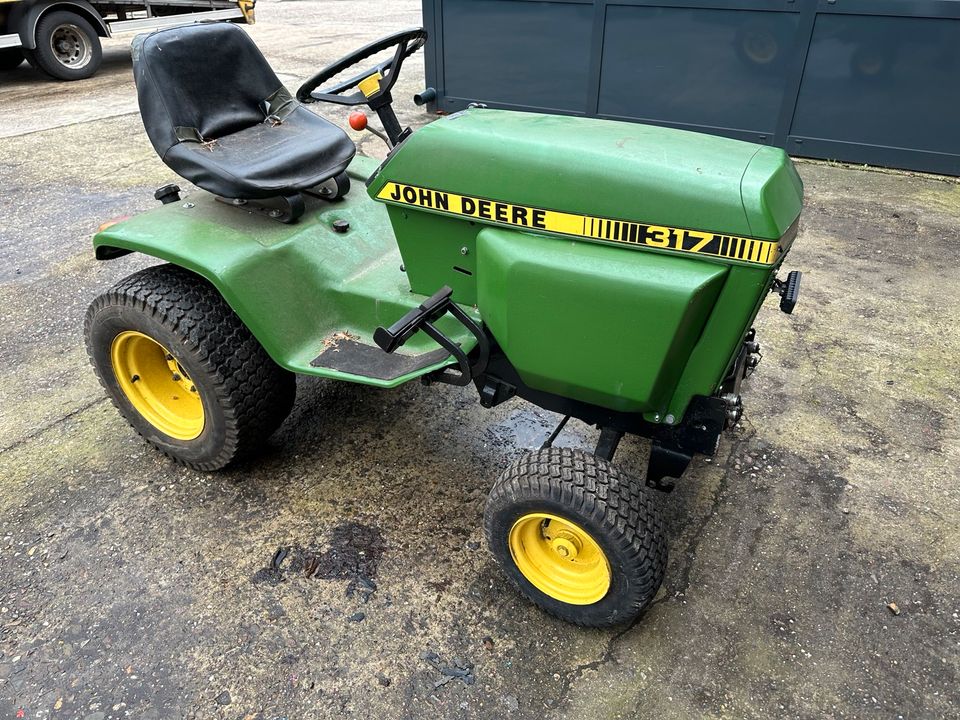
(252, 393)
(620, 514)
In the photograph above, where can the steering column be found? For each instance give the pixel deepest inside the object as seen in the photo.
(372, 86)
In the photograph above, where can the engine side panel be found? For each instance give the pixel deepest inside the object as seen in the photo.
(591, 322)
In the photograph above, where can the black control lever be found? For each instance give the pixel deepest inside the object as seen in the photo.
(788, 290)
(389, 339)
(423, 318)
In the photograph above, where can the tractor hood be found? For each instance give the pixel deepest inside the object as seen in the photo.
(593, 169)
(571, 233)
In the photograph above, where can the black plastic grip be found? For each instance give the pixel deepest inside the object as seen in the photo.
(389, 339)
(791, 292)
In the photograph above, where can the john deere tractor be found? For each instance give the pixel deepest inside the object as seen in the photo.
(605, 271)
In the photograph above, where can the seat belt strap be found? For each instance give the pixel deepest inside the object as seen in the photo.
(278, 106)
(188, 134)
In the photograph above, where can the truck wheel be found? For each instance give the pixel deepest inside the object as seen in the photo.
(575, 536)
(10, 58)
(183, 369)
(67, 46)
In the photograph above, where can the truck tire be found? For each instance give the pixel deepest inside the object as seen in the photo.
(578, 538)
(184, 370)
(67, 46)
(10, 59)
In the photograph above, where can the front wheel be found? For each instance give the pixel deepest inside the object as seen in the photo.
(579, 539)
(183, 369)
(67, 46)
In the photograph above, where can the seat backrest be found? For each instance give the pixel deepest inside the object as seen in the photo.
(209, 78)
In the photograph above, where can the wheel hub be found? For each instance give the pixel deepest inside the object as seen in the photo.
(566, 545)
(560, 558)
(70, 46)
(157, 385)
(564, 549)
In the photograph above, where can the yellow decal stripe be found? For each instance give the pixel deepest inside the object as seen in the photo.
(763, 252)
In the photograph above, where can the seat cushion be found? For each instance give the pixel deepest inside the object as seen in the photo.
(265, 160)
(205, 94)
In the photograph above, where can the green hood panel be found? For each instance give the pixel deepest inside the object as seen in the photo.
(772, 193)
(620, 170)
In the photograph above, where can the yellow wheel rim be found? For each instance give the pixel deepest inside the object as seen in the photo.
(157, 385)
(560, 559)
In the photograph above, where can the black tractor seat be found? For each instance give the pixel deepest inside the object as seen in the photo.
(219, 117)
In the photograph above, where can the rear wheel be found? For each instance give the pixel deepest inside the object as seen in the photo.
(575, 536)
(10, 58)
(183, 369)
(67, 46)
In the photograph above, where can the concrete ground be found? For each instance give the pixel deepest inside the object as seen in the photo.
(133, 587)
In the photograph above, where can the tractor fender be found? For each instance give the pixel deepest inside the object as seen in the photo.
(219, 276)
(220, 269)
(25, 16)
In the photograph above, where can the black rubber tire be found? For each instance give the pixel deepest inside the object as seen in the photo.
(43, 57)
(617, 512)
(245, 394)
(10, 59)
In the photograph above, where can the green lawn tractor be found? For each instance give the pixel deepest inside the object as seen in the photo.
(605, 271)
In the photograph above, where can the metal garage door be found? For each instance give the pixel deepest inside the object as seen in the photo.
(871, 81)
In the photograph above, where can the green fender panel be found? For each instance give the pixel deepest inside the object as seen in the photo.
(299, 288)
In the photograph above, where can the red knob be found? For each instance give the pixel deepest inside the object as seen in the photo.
(358, 121)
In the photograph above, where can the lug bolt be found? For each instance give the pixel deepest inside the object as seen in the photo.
(176, 377)
(193, 388)
(134, 378)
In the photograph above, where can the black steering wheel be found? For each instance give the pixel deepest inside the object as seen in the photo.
(407, 43)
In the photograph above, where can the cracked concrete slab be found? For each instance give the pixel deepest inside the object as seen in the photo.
(137, 588)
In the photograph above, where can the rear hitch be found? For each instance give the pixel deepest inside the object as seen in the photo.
(788, 290)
